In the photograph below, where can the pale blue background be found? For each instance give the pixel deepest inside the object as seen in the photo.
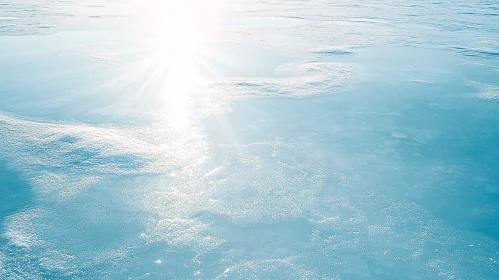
(374, 154)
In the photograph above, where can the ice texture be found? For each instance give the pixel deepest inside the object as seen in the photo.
(326, 139)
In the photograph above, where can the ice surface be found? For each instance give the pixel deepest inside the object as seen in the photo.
(305, 140)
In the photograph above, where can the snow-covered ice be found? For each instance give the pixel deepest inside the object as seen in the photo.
(235, 139)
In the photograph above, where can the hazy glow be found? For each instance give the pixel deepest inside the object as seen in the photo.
(176, 30)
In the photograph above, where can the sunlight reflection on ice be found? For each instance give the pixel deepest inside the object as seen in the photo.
(166, 139)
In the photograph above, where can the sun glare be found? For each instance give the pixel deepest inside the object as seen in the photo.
(175, 32)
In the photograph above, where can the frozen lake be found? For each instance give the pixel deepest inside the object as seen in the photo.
(231, 139)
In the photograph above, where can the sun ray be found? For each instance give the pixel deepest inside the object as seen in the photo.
(167, 65)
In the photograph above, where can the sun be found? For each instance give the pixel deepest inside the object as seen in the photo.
(175, 32)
